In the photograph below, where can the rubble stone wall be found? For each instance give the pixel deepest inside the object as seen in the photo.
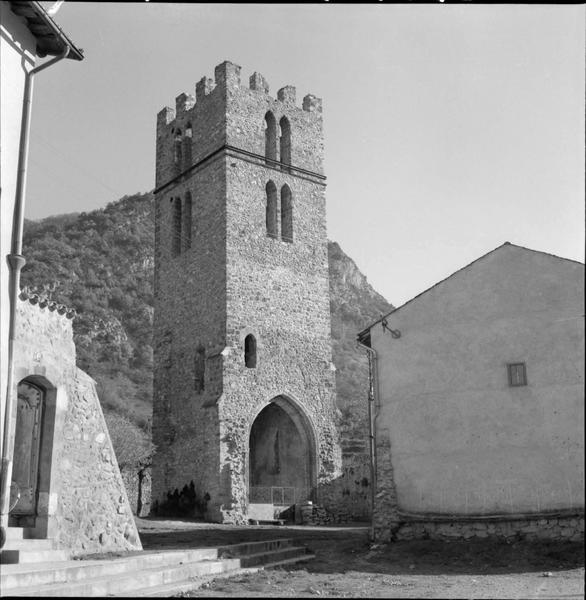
(82, 503)
(568, 527)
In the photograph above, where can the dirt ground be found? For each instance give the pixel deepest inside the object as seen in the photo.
(348, 566)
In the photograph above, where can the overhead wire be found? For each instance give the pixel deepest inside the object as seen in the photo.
(76, 166)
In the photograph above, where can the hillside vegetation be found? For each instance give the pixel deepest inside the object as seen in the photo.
(101, 264)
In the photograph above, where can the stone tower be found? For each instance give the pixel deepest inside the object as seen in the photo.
(244, 388)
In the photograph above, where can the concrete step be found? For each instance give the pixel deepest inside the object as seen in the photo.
(145, 574)
(245, 548)
(19, 533)
(273, 557)
(130, 582)
(173, 589)
(14, 533)
(31, 555)
(15, 576)
(28, 544)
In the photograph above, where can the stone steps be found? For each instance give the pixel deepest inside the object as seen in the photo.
(24, 544)
(21, 548)
(172, 589)
(145, 574)
(32, 554)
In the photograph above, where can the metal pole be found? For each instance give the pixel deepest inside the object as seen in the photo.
(371, 354)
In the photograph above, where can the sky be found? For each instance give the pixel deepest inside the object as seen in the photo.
(449, 129)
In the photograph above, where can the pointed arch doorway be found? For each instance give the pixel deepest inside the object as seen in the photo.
(282, 456)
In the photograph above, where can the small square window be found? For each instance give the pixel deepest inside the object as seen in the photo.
(517, 374)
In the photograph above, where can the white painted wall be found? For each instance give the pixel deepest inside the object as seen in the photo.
(17, 56)
(462, 440)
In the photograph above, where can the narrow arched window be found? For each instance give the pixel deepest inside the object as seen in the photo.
(178, 150)
(286, 214)
(270, 138)
(176, 227)
(186, 216)
(199, 370)
(285, 144)
(250, 351)
(272, 222)
(187, 141)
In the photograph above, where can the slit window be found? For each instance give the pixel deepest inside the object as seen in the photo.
(285, 144)
(199, 370)
(517, 373)
(176, 231)
(250, 351)
(187, 141)
(270, 138)
(177, 149)
(286, 214)
(271, 212)
(186, 225)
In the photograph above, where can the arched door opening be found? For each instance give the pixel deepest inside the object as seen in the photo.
(27, 447)
(281, 456)
(34, 441)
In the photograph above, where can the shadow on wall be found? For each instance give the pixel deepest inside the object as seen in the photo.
(182, 504)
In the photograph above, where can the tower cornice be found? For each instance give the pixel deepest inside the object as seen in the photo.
(247, 156)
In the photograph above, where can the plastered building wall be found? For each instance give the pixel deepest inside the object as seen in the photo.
(453, 437)
(235, 280)
(82, 503)
(17, 56)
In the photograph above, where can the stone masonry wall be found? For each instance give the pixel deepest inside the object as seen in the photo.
(235, 280)
(83, 505)
(350, 493)
(189, 316)
(568, 527)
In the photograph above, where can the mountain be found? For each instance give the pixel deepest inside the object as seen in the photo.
(101, 264)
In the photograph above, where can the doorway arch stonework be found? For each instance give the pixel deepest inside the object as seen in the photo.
(282, 454)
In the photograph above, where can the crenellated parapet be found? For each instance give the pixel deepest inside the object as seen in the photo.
(226, 104)
(227, 75)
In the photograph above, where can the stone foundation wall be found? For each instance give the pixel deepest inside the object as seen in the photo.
(82, 502)
(552, 526)
(350, 493)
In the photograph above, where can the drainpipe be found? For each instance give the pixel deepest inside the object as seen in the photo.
(372, 415)
(15, 262)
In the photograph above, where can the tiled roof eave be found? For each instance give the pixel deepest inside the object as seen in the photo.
(51, 39)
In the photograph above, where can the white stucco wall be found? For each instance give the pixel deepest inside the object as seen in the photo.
(17, 55)
(462, 441)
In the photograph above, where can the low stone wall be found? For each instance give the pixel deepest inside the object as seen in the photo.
(551, 526)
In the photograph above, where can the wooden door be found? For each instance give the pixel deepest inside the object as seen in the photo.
(27, 440)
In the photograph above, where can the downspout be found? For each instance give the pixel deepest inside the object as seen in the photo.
(15, 263)
(372, 415)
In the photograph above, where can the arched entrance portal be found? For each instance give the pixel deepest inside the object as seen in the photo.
(281, 455)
